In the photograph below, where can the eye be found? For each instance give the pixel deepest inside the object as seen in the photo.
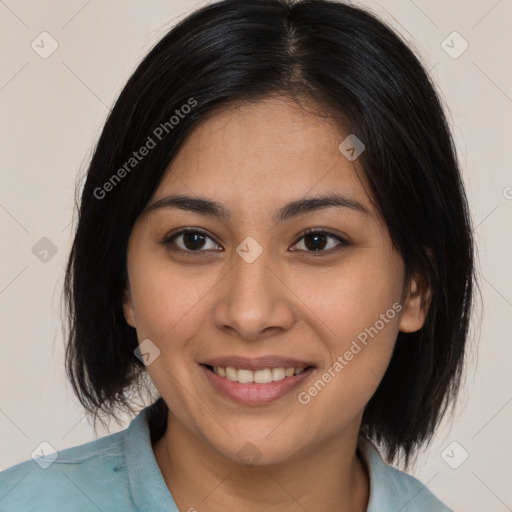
(189, 240)
(315, 240)
(194, 240)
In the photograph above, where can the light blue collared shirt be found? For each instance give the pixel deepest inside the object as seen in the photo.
(119, 473)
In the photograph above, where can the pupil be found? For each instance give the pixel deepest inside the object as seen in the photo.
(315, 236)
(193, 237)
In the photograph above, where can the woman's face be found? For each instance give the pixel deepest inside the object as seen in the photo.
(251, 293)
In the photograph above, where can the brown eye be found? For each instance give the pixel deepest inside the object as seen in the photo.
(189, 240)
(318, 241)
(196, 241)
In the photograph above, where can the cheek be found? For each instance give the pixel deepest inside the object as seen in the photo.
(359, 322)
(170, 300)
(357, 313)
(169, 304)
(347, 299)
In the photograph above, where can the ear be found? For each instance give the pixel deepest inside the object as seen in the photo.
(128, 309)
(418, 296)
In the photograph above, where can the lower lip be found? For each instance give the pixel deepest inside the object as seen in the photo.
(252, 393)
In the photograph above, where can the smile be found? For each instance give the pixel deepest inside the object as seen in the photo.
(263, 376)
(259, 386)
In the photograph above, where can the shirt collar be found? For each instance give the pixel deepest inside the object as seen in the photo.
(148, 487)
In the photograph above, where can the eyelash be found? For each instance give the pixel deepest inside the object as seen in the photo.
(168, 241)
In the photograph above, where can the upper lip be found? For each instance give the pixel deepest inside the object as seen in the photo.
(256, 363)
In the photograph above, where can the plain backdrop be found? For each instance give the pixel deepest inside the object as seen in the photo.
(53, 108)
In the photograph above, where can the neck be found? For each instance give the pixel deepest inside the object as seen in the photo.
(328, 477)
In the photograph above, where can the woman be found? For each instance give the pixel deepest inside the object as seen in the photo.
(274, 228)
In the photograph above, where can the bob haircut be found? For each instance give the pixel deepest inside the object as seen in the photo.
(355, 70)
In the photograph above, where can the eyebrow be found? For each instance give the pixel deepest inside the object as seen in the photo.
(208, 207)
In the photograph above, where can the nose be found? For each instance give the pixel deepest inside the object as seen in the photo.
(255, 301)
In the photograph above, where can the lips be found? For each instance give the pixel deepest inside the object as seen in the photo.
(255, 381)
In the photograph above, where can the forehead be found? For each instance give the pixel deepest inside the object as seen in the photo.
(264, 153)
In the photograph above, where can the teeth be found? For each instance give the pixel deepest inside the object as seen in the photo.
(258, 376)
(263, 376)
(231, 373)
(278, 373)
(245, 376)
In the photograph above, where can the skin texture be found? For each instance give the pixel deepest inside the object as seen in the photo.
(300, 303)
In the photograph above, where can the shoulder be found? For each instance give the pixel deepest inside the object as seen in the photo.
(392, 489)
(90, 476)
